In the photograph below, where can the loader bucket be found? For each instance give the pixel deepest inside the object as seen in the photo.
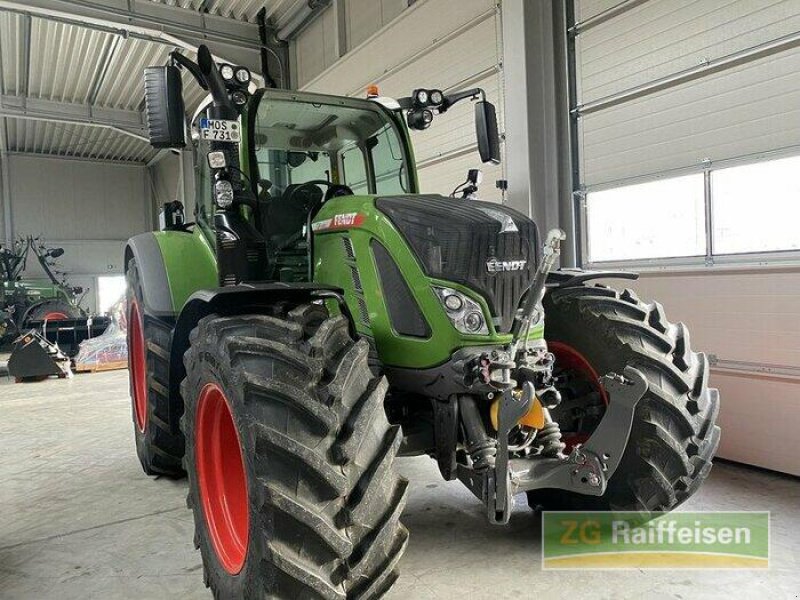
(34, 357)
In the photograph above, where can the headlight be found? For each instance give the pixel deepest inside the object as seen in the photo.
(437, 97)
(227, 72)
(453, 303)
(223, 193)
(421, 97)
(464, 313)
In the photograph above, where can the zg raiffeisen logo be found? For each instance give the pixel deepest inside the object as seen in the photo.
(683, 540)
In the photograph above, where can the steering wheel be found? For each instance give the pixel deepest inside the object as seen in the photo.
(334, 189)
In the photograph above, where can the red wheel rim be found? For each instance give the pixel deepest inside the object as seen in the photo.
(221, 478)
(138, 365)
(55, 316)
(569, 358)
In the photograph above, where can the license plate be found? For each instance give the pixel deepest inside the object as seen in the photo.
(218, 130)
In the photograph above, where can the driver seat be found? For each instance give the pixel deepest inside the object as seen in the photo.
(285, 216)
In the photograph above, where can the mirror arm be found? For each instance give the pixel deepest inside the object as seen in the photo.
(407, 103)
(190, 66)
(451, 99)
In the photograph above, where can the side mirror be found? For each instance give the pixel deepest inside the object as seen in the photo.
(165, 109)
(56, 252)
(486, 132)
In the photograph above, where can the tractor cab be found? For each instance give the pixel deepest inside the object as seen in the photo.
(272, 158)
(300, 151)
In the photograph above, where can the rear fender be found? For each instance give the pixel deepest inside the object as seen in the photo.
(172, 266)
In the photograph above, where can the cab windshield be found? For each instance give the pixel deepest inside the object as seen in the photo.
(297, 142)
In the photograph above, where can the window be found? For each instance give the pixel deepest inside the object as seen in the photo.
(736, 210)
(387, 156)
(659, 219)
(355, 169)
(110, 289)
(746, 200)
(297, 141)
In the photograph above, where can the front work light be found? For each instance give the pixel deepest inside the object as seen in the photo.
(419, 119)
(217, 159)
(227, 72)
(223, 193)
(242, 75)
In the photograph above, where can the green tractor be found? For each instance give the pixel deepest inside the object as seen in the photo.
(322, 317)
(27, 302)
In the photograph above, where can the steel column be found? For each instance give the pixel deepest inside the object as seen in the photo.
(533, 109)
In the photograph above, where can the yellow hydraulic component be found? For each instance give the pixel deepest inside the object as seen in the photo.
(534, 417)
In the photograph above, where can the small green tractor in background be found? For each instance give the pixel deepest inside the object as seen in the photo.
(26, 302)
(322, 317)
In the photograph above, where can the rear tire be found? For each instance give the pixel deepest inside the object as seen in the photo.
(156, 420)
(52, 310)
(323, 501)
(674, 436)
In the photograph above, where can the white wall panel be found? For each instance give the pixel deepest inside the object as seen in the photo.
(431, 44)
(585, 9)
(365, 17)
(745, 110)
(315, 47)
(661, 37)
(752, 317)
(441, 177)
(421, 26)
(742, 110)
(90, 209)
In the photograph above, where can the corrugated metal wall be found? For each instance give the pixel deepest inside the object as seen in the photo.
(429, 44)
(744, 110)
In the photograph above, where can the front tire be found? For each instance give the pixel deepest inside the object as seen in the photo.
(292, 483)
(674, 435)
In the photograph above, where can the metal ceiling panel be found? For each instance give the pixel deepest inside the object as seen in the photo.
(11, 52)
(60, 139)
(242, 10)
(51, 60)
(64, 60)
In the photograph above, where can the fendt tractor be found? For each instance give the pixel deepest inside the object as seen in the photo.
(322, 317)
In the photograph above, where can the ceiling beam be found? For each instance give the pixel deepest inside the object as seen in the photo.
(127, 122)
(229, 39)
(26, 56)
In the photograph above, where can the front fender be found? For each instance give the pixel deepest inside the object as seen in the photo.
(239, 299)
(571, 277)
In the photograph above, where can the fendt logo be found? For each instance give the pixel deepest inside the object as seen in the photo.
(504, 266)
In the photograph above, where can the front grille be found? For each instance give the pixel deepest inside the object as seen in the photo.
(455, 239)
(349, 252)
(356, 276)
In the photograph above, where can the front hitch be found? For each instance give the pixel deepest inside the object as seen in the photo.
(585, 470)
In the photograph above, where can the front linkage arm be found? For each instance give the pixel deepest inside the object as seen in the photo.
(585, 470)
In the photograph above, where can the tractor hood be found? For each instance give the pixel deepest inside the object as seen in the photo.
(487, 247)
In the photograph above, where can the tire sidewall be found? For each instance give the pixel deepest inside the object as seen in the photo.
(570, 321)
(143, 438)
(207, 370)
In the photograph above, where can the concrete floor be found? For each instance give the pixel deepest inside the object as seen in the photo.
(79, 520)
